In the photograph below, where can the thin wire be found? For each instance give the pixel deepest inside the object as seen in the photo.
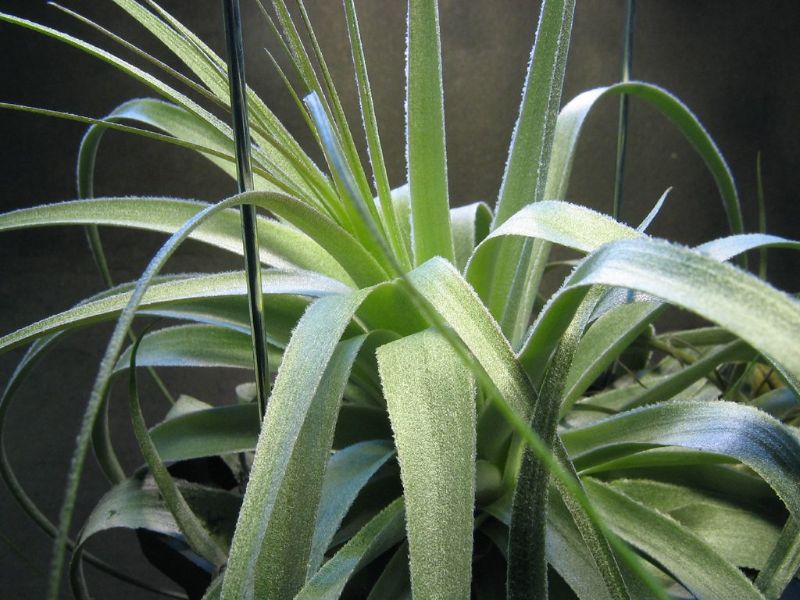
(622, 131)
(244, 169)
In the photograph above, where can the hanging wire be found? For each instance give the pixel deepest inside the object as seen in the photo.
(244, 170)
(622, 130)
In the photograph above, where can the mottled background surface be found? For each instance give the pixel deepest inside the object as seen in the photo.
(733, 63)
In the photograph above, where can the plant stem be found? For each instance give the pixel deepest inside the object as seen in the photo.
(244, 169)
(622, 130)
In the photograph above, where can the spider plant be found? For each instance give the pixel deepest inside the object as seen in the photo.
(434, 428)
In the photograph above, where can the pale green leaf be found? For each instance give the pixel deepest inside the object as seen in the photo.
(704, 572)
(280, 245)
(178, 293)
(739, 534)
(573, 115)
(286, 547)
(470, 225)
(348, 471)
(430, 396)
(425, 134)
(381, 533)
(305, 359)
(744, 433)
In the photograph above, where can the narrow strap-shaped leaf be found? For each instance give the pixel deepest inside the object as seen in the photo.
(557, 222)
(573, 115)
(195, 345)
(211, 432)
(425, 134)
(286, 547)
(517, 264)
(568, 554)
(280, 245)
(335, 240)
(102, 382)
(458, 306)
(470, 226)
(527, 565)
(177, 122)
(374, 148)
(267, 121)
(782, 564)
(698, 567)
(208, 72)
(145, 78)
(381, 533)
(532, 140)
(742, 534)
(672, 385)
(360, 215)
(593, 537)
(451, 296)
(431, 400)
(214, 76)
(682, 277)
(601, 341)
(583, 229)
(137, 504)
(348, 472)
(300, 375)
(175, 291)
(231, 429)
(744, 433)
(343, 128)
(197, 536)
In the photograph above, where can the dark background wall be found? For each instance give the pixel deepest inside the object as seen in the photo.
(733, 63)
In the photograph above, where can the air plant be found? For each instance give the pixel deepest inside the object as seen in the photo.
(433, 428)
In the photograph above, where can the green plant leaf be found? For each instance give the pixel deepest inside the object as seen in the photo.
(175, 294)
(605, 339)
(567, 552)
(379, 175)
(210, 432)
(737, 533)
(704, 572)
(280, 245)
(744, 433)
(105, 371)
(556, 222)
(527, 565)
(518, 264)
(573, 115)
(685, 278)
(134, 72)
(136, 504)
(670, 386)
(425, 135)
(470, 225)
(195, 532)
(192, 346)
(381, 533)
(230, 429)
(276, 149)
(532, 140)
(313, 343)
(430, 396)
(285, 550)
(347, 473)
(186, 128)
